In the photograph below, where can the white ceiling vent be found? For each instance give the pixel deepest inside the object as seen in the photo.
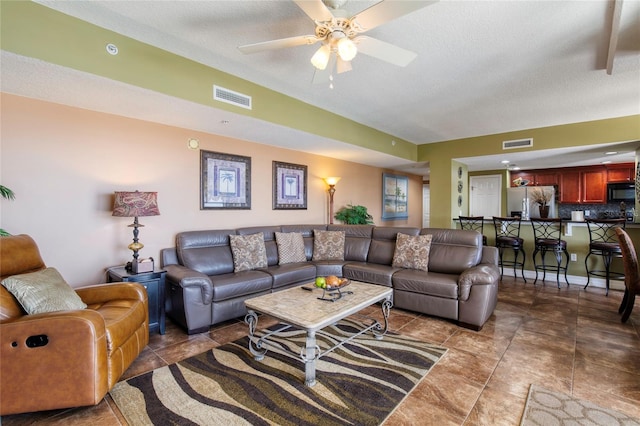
(229, 96)
(519, 143)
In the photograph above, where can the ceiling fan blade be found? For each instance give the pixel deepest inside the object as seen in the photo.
(315, 9)
(384, 51)
(278, 44)
(386, 11)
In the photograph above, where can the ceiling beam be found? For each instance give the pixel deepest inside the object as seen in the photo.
(613, 36)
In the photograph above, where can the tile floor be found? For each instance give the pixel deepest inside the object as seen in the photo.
(569, 340)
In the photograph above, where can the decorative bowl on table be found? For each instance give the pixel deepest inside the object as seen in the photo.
(335, 292)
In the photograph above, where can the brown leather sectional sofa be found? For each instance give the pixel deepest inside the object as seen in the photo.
(461, 284)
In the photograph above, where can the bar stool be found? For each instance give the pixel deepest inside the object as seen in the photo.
(547, 238)
(473, 223)
(603, 241)
(508, 237)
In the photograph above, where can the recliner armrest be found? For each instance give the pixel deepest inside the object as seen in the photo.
(101, 293)
(185, 277)
(67, 367)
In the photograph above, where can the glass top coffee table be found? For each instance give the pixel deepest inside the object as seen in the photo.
(306, 310)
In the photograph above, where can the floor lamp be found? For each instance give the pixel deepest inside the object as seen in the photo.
(331, 181)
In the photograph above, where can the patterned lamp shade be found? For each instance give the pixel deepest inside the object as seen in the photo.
(135, 204)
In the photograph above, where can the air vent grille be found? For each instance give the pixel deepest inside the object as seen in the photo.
(519, 143)
(229, 96)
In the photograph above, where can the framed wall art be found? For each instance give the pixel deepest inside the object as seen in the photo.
(225, 181)
(395, 197)
(289, 186)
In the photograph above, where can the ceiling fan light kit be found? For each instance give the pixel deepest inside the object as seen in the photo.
(339, 34)
(347, 49)
(320, 59)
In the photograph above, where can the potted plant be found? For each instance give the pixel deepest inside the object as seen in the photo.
(541, 197)
(7, 194)
(354, 215)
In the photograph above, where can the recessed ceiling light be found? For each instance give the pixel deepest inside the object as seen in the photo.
(504, 162)
(611, 153)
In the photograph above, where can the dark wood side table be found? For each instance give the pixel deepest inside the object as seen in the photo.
(154, 283)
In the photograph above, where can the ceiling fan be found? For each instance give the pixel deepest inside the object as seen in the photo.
(340, 37)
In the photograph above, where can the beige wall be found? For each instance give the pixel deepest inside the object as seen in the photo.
(65, 163)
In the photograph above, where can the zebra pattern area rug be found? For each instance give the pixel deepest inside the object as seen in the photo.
(361, 382)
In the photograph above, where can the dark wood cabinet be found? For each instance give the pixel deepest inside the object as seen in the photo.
(570, 187)
(594, 186)
(545, 178)
(584, 186)
(579, 185)
(537, 178)
(621, 172)
(522, 175)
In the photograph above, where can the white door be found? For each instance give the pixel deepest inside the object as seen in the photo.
(425, 205)
(485, 195)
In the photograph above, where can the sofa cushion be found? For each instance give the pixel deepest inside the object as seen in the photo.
(412, 252)
(207, 252)
(268, 233)
(43, 291)
(383, 243)
(240, 284)
(328, 245)
(290, 247)
(430, 283)
(369, 272)
(446, 244)
(248, 252)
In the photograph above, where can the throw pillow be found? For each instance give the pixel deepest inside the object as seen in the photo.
(290, 247)
(248, 251)
(328, 245)
(412, 252)
(43, 291)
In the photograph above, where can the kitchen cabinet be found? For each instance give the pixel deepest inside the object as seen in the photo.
(536, 178)
(579, 185)
(570, 187)
(583, 186)
(621, 172)
(545, 178)
(594, 186)
(522, 175)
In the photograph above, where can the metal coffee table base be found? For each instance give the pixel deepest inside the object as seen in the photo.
(258, 345)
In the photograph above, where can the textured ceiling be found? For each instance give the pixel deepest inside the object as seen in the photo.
(483, 67)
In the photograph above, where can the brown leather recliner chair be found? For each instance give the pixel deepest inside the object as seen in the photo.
(86, 351)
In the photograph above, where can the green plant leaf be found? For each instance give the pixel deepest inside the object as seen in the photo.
(354, 215)
(6, 193)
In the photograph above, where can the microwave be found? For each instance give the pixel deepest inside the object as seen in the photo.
(617, 192)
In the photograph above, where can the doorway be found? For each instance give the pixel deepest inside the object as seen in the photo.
(425, 205)
(485, 198)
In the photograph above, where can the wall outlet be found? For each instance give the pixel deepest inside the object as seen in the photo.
(574, 257)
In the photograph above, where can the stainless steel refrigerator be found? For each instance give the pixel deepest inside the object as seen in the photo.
(519, 200)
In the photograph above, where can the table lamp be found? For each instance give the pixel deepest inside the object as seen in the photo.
(135, 204)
